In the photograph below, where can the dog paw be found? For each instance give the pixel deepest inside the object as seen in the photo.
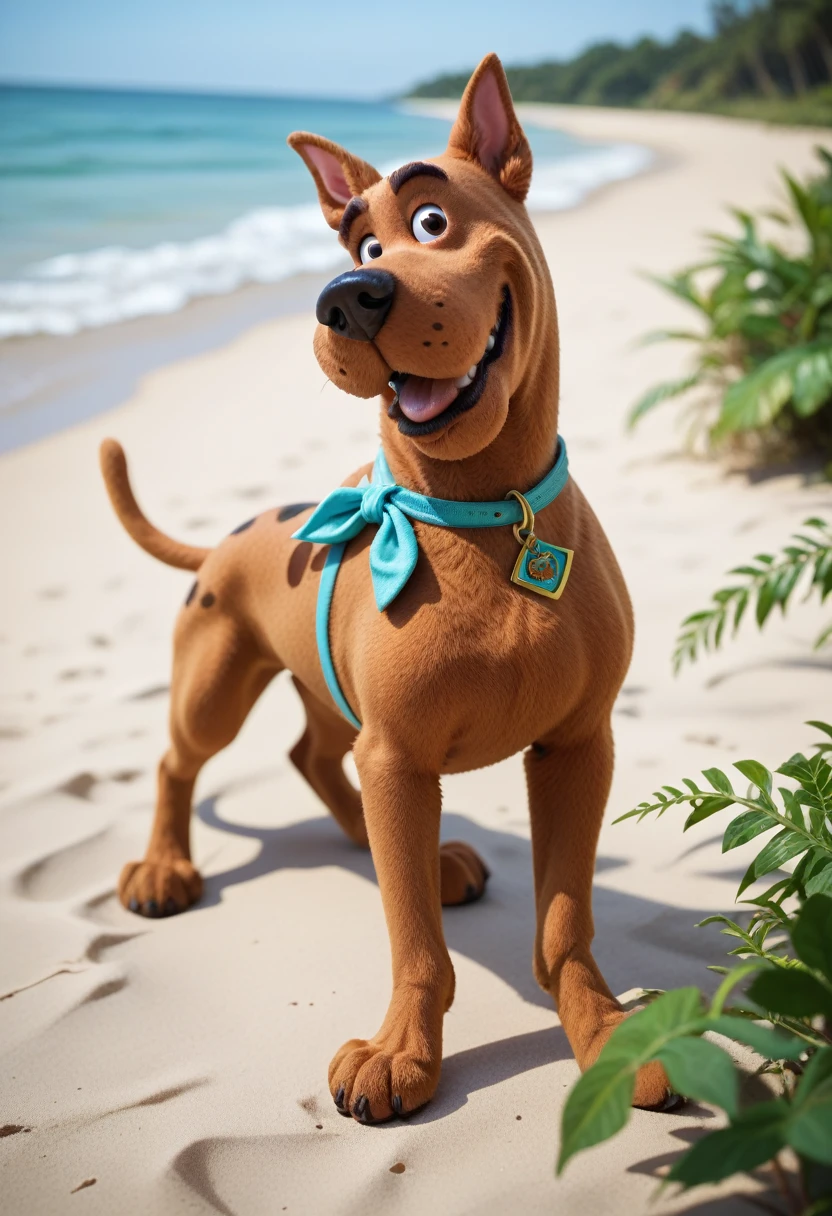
(371, 1080)
(159, 888)
(463, 873)
(652, 1089)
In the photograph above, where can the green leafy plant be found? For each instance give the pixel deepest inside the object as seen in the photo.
(784, 1014)
(768, 582)
(671, 1030)
(763, 360)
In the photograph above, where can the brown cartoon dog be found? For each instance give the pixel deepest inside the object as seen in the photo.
(450, 302)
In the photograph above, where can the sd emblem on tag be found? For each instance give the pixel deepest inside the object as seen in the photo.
(539, 567)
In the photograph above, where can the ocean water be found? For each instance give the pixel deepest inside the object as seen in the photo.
(116, 205)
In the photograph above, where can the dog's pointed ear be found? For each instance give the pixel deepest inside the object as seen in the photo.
(339, 175)
(487, 130)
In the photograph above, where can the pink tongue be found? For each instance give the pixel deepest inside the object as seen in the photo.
(421, 399)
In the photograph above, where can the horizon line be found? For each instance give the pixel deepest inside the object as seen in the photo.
(173, 90)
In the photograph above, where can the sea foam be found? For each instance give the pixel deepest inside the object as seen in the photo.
(82, 290)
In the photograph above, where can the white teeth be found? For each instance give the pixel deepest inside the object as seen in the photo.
(464, 381)
(472, 371)
(490, 344)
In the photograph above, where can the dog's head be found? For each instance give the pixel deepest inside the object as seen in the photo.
(448, 274)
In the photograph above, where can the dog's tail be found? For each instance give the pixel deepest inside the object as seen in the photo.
(135, 523)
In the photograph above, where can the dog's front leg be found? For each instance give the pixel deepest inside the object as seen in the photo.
(397, 1070)
(568, 788)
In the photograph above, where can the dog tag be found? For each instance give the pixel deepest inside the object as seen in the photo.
(540, 567)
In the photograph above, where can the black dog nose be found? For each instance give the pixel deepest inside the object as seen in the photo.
(356, 304)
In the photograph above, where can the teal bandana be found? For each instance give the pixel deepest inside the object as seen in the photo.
(347, 511)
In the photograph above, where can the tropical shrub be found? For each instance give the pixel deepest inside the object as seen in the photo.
(763, 359)
(768, 581)
(784, 1014)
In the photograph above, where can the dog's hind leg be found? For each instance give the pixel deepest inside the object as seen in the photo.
(218, 674)
(568, 790)
(319, 757)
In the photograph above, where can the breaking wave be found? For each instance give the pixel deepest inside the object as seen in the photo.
(77, 291)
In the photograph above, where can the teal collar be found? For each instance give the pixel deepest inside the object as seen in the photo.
(394, 551)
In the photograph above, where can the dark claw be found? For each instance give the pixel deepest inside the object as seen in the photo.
(151, 908)
(361, 1110)
(171, 907)
(486, 872)
(339, 1098)
(397, 1104)
(133, 905)
(471, 893)
(671, 1101)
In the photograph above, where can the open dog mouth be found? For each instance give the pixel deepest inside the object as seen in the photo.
(422, 405)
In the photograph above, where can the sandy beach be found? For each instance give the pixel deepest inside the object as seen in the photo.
(180, 1065)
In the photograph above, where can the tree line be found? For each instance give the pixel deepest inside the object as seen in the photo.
(773, 57)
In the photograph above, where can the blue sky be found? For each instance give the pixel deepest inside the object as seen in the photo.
(366, 49)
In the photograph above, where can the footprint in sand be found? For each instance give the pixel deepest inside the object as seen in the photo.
(83, 864)
(51, 593)
(250, 492)
(82, 673)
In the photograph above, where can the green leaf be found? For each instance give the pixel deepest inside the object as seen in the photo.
(812, 935)
(766, 1042)
(659, 393)
(813, 380)
(644, 1032)
(751, 1140)
(709, 805)
(702, 1071)
(756, 773)
(597, 1108)
(782, 847)
(802, 374)
(820, 882)
(809, 1128)
(744, 828)
(719, 781)
(792, 992)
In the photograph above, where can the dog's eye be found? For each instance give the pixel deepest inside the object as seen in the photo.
(369, 249)
(428, 223)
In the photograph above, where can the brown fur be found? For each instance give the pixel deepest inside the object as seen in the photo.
(464, 669)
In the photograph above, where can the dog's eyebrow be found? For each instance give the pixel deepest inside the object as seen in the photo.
(353, 209)
(416, 168)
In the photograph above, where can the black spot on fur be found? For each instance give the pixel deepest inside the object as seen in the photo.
(242, 527)
(437, 325)
(192, 593)
(539, 749)
(295, 508)
(208, 599)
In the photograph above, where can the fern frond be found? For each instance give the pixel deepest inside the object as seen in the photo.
(768, 582)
